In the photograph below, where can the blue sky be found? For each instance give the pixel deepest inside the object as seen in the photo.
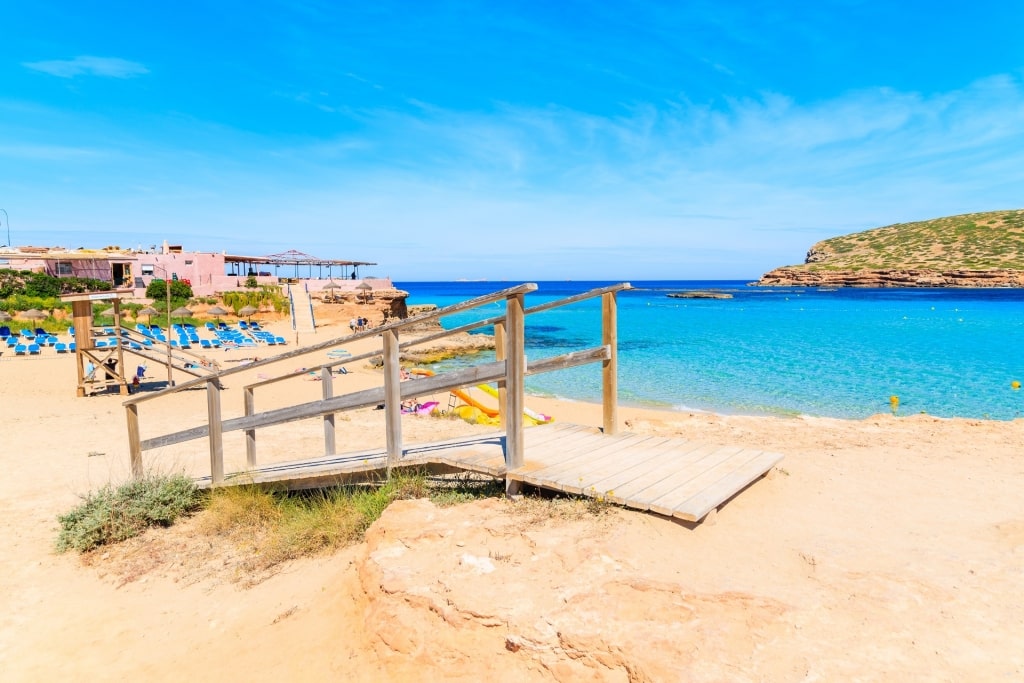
(502, 140)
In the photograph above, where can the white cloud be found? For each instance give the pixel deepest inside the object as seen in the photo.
(111, 67)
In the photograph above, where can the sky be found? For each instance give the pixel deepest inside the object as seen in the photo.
(505, 140)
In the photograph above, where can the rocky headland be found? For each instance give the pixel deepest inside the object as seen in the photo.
(971, 250)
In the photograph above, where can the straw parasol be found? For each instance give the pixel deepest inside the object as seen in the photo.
(33, 314)
(109, 313)
(365, 287)
(247, 311)
(330, 286)
(5, 317)
(217, 311)
(181, 312)
(148, 311)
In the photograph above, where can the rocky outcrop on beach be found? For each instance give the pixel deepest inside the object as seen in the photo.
(794, 276)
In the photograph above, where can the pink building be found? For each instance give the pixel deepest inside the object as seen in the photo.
(207, 273)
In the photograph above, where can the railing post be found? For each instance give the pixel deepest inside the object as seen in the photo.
(249, 397)
(216, 435)
(328, 382)
(134, 444)
(392, 398)
(609, 368)
(501, 353)
(515, 370)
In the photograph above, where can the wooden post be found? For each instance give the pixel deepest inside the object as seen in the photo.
(515, 370)
(328, 382)
(216, 435)
(134, 444)
(500, 353)
(609, 368)
(249, 396)
(122, 378)
(392, 398)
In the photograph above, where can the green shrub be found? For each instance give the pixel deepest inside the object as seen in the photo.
(251, 283)
(180, 291)
(113, 514)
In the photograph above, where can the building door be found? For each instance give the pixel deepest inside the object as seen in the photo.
(121, 274)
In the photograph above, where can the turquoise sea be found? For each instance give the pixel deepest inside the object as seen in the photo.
(780, 351)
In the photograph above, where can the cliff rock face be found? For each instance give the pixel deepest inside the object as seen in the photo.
(791, 276)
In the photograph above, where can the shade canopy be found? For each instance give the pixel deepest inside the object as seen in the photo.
(217, 311)
(109, 313)
(148, 310)
(365, 286)
(33, 314)
(181, 312)
(4, 316)
(331, 284)
(247, 310)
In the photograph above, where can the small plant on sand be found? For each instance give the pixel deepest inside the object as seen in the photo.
(114, 514)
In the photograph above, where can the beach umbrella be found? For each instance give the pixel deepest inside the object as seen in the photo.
(217, 311)
(109, 313)
(247, 311)
(181, 312)
(5, 317)
(331, 286)
(365, 287)
(148, 311)
(33, 314)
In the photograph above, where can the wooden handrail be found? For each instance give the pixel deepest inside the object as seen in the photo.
(397, 325)
(508, 371)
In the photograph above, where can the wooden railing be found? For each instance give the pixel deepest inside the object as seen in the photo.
(508, 370)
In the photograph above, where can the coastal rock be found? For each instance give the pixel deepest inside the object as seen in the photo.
(796, 276)
(555, 603)
(699, 295)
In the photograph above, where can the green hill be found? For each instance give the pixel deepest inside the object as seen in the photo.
(973, 241)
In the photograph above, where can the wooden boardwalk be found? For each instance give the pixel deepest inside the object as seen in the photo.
(672, 477)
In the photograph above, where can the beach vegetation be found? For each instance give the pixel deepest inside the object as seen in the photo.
(41, 285)
(112, 514)
(181, 291)
(978, 241)
(263, 297)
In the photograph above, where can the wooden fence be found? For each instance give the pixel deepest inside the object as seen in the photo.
(508, 370)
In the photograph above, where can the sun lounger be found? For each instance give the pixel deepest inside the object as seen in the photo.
(20, 350)
(27, 334)
(33, 349)
(5, 332)
(60, 347)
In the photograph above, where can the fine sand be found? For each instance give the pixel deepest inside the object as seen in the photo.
(882, 549)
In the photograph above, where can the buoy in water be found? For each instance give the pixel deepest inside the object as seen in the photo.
(1015, 384)
(894, 401)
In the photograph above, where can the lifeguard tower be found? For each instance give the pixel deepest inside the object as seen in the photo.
(107, 362)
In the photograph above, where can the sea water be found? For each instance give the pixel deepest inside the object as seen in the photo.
(779, 351)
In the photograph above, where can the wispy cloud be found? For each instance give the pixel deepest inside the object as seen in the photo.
(85, 65)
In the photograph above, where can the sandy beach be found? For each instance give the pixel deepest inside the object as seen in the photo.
(882, 549)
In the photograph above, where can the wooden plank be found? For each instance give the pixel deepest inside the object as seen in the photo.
(674, 479)
(249, 399)
(609, 368)
(683, 459)
(655, 457)
(589, 294)
(501, 353)
(695, 508)
(327, 380)
(515, 368)
(555, 452)
(134, 447)
(216, 437)
(566, 475)
(667, 502)
(637, 457)
(594, 448)
(392, 398)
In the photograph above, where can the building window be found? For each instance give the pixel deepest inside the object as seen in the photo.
(188, 263)
(64, 268)
(147, 268)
